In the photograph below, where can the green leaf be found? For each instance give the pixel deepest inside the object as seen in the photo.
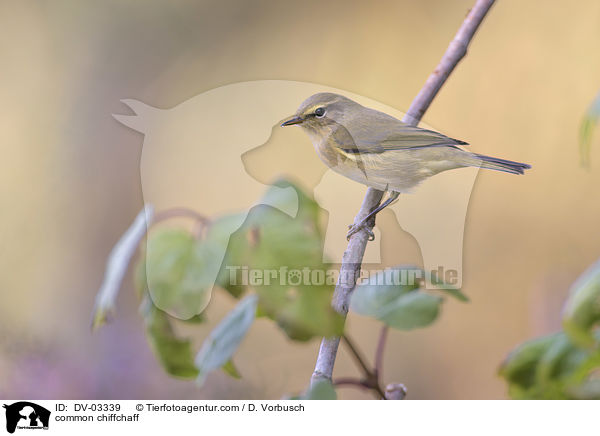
(174, 354)
(287, 198)
(320, 390)
(230, 369)
(196, 319)
(549, 364)
(452, 291)
(586, 366)
(374, 296)
(181, 271)
(438, 284)
(224, 340)
(116, 267)
(456, 293)
(520, 366)
(281, 259)
(401, 306)
(550, 367)
(229, 277)
(589, 390)
(586, 132)
(582, 309)
(140, 281)
(304, 313)
(562, 365)
(412, 310)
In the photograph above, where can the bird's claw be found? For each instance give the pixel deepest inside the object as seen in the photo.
(358, 227)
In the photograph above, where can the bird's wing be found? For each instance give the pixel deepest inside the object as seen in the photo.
(413, 137)
(399, 137)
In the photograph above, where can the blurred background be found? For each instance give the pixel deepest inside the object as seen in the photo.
(71, 177)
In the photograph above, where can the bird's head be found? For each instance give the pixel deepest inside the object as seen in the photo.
(321, 110)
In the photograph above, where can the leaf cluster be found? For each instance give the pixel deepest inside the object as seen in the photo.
(563, 365)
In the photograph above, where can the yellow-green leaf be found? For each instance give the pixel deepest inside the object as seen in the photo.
(174, 354)
(224, 340)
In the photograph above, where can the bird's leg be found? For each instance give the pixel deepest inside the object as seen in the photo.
(361, 225)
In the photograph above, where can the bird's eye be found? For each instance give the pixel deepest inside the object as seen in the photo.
(319, 112)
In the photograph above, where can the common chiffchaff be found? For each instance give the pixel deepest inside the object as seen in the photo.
(381, 151)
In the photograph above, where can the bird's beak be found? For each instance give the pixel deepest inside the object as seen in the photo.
(294, 119)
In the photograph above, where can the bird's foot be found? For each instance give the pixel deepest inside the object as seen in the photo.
(355, 228)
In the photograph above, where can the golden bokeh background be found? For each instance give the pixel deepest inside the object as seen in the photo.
(70, 179)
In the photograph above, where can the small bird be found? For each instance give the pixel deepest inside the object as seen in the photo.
(380, 151)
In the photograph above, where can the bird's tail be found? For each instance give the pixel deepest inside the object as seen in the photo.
(494, 163)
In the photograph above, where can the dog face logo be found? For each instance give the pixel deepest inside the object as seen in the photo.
(26, 415)
(219, 151)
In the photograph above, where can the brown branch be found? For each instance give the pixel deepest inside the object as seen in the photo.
(380, 348)
(177, 212)
(357, 356)
(370, 380)
(455, 52)
(395, 391)
(352, 259)
(360, 384)
(349, 381)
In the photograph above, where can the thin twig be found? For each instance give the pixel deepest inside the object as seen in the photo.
(395, 391)
(352, 259)
(357, 356)
(351, 262)
(349, 381)
(370, 380)
(201, 222)
(180, 212)
(380, 348)
(361, 384)
(454, 53)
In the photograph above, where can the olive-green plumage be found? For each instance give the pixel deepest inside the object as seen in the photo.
(379, 150)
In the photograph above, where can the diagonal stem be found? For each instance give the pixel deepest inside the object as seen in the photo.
(357, 356)
(352, 259)
(370, 380)
(349, 381)
(360, 384)
(380, 348)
